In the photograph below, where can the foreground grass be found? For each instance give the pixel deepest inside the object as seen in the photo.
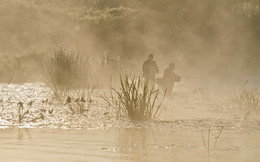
(136, 100)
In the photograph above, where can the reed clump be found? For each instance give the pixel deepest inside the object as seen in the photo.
(208, 144)
(246, 98)
(136, 100)
(63, 69)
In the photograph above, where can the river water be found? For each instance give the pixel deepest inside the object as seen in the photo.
(196, 124)
(124, 144)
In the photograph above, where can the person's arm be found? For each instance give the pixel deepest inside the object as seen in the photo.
(165, 73)
(177, 78)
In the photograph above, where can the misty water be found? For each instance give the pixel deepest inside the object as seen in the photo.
(124, 144)
(185, 120)
(61, 59)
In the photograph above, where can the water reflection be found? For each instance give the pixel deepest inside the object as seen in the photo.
(23, 133)
(134, 142)
(123, 144)
(149, 144)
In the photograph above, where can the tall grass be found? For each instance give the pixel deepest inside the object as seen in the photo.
(136, 100)
(64, 69)
(246, 98)
(207, 144)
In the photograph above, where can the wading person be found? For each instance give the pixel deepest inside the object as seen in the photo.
(150, 68)
(169, 77)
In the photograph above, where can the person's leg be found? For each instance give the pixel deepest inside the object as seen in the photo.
(152, 82)
(169, 88)
(146, 79)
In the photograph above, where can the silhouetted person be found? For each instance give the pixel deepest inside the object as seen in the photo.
(169, 77)
(150, 68)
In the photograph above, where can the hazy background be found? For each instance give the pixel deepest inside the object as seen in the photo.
(216, 38)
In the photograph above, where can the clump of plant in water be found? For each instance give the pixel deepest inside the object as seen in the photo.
(136, 99)
(202, 93)
(22, 113)
(76, 105)
(246, 98)
(79, 99)
(207, 144)
(64, 69)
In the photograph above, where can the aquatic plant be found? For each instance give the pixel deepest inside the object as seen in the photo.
(68, 102)
(21, 112)
(85, 93)
(64, 69)
(207, 145)
(135, 99)
(39, 116)
(9, 81)
(76, 105)
(246, 98)
(202, 93)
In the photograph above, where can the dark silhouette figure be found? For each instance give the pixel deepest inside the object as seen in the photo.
(169, 77)
(150, 68)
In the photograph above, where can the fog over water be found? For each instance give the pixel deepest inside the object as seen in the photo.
(202, 37)
(130, 80)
